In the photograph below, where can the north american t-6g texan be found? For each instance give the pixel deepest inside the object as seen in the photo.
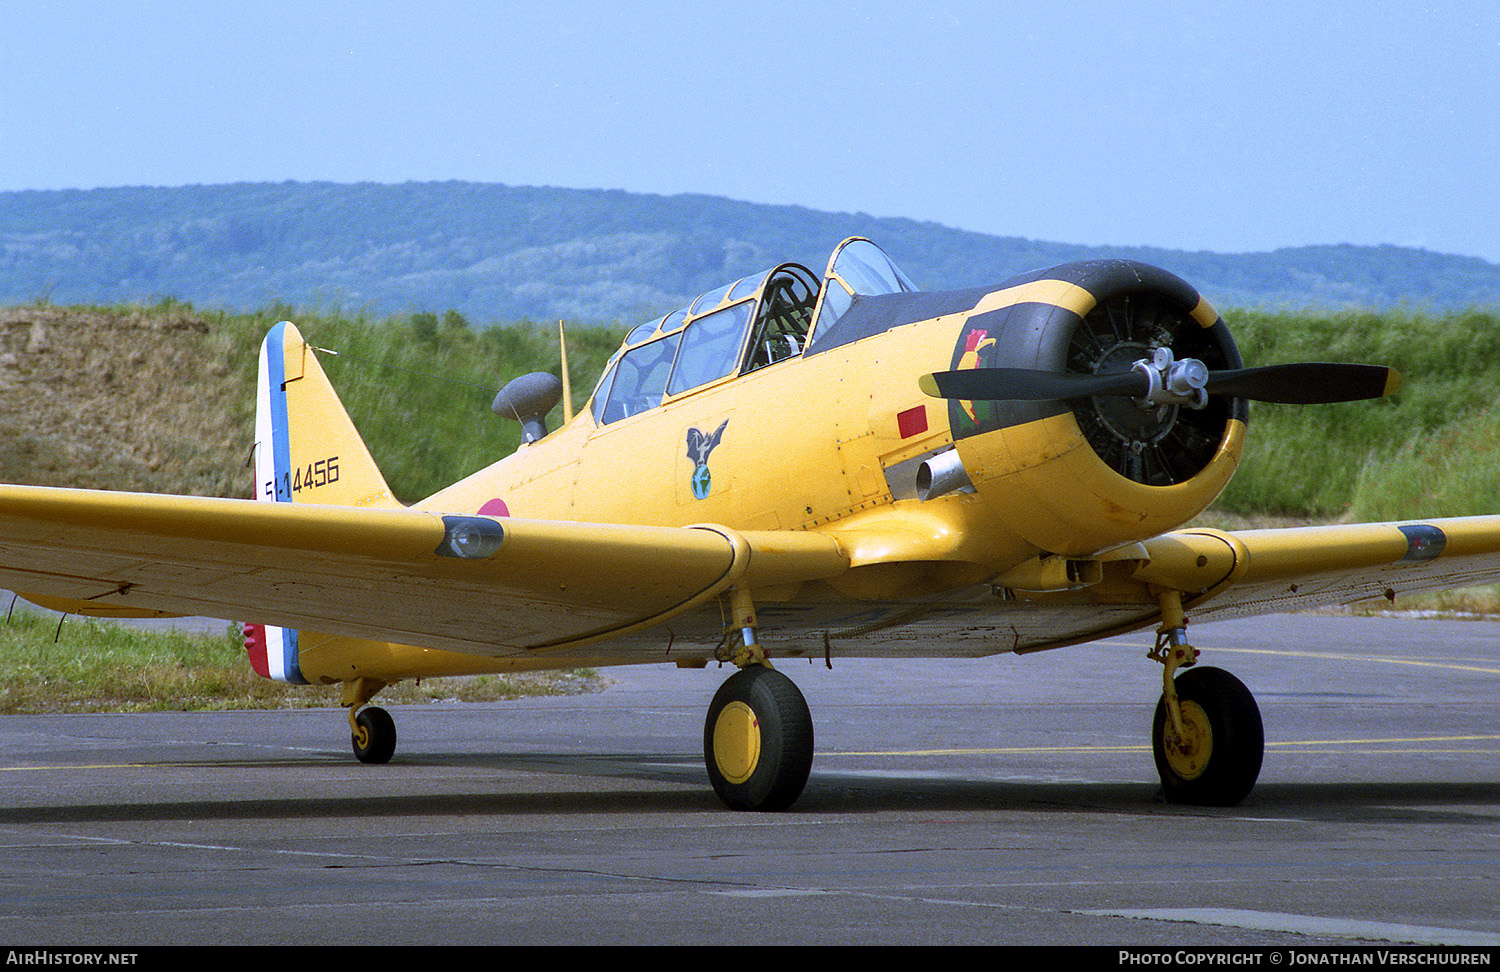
(789, 467)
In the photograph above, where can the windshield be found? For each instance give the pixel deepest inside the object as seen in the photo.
(866, 269)
(858, 267)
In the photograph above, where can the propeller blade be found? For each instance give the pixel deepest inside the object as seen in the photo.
(1022, 384)
(1288, 384)
(1308, 383)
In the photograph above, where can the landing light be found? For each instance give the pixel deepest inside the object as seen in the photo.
(470, 537)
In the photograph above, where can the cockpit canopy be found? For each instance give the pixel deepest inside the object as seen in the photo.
(752, 323)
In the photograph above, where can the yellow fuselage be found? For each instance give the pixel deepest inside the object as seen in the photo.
(832, 441)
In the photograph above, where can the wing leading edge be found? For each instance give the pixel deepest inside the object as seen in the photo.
(463, 583)
(508, 587)
(1291, 569)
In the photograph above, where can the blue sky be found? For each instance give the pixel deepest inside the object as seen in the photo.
(1189, 125)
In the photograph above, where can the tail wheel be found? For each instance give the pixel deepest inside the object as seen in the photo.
(758, 740)
(374, 736)
(1216, 759)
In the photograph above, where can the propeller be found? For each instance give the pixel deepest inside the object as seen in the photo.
(1161, 380)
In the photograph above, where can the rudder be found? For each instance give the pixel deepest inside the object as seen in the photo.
(306, 451)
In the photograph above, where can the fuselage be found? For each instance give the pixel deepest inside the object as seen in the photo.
(782, 403)
(834, 438)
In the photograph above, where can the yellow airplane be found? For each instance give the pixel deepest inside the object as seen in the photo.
(789, 467)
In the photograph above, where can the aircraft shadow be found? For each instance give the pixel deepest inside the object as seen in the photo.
(828, 792)
(1387, 803)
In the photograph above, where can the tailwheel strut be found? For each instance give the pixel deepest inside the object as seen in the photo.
(372, 731)
(1207, 738)
(758, 735)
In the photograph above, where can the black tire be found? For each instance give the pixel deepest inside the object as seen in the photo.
(758, 740)
(1226, 741)
(379, 731)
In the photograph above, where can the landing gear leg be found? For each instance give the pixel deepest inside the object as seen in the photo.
(372, 730)
(1207, 737)
(758, 736)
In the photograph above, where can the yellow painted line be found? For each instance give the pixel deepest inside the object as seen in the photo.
(994, 752)
(211, 764)
(1206, 653)
(1396, 752)
(1032, 750)
(1336, 656)
(1398, 739)
(84, 766)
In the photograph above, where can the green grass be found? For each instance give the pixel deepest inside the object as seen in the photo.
(1425, 452)
(104, 666)
(419, 389)
(1432, 450)
(93, 666)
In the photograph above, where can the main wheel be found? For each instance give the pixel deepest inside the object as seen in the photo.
(758, 740)
(1215, 762)
(375, 740)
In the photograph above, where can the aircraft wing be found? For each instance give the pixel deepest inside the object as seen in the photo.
(1264, 571)
(465, 583)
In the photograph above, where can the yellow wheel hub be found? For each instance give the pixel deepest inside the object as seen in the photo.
(737, 742)
(1188, 754)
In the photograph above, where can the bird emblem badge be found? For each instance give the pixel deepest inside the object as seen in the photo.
(699, 446)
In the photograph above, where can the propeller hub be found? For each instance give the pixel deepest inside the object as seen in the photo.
(1164, 429)
(1173, 382)
(1133, 421)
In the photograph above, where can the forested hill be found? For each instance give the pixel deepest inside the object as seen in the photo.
(503, 253)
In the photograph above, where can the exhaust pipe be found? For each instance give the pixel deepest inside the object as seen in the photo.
(942, 474)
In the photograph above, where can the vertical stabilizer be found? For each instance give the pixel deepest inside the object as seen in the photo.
(306, 447)
(306, 451)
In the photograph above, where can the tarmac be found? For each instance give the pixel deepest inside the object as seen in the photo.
(1006, 800)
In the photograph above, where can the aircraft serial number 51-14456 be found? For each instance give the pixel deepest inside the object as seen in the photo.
(789, 467)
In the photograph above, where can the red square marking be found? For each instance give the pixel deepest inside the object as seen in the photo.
(912, 422)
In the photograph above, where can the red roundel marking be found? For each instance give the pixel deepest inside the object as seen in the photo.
(494, 507)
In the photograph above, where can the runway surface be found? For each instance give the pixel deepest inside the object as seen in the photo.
(999, 801)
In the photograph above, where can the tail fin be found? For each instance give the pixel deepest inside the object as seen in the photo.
(306, 451)
(306, 447)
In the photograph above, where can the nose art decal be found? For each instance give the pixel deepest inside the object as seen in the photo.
(698, 448)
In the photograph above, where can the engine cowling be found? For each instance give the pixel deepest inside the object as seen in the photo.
(1084, 474)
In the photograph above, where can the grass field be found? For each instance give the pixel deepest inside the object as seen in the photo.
(52, 664)
(180, 386)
